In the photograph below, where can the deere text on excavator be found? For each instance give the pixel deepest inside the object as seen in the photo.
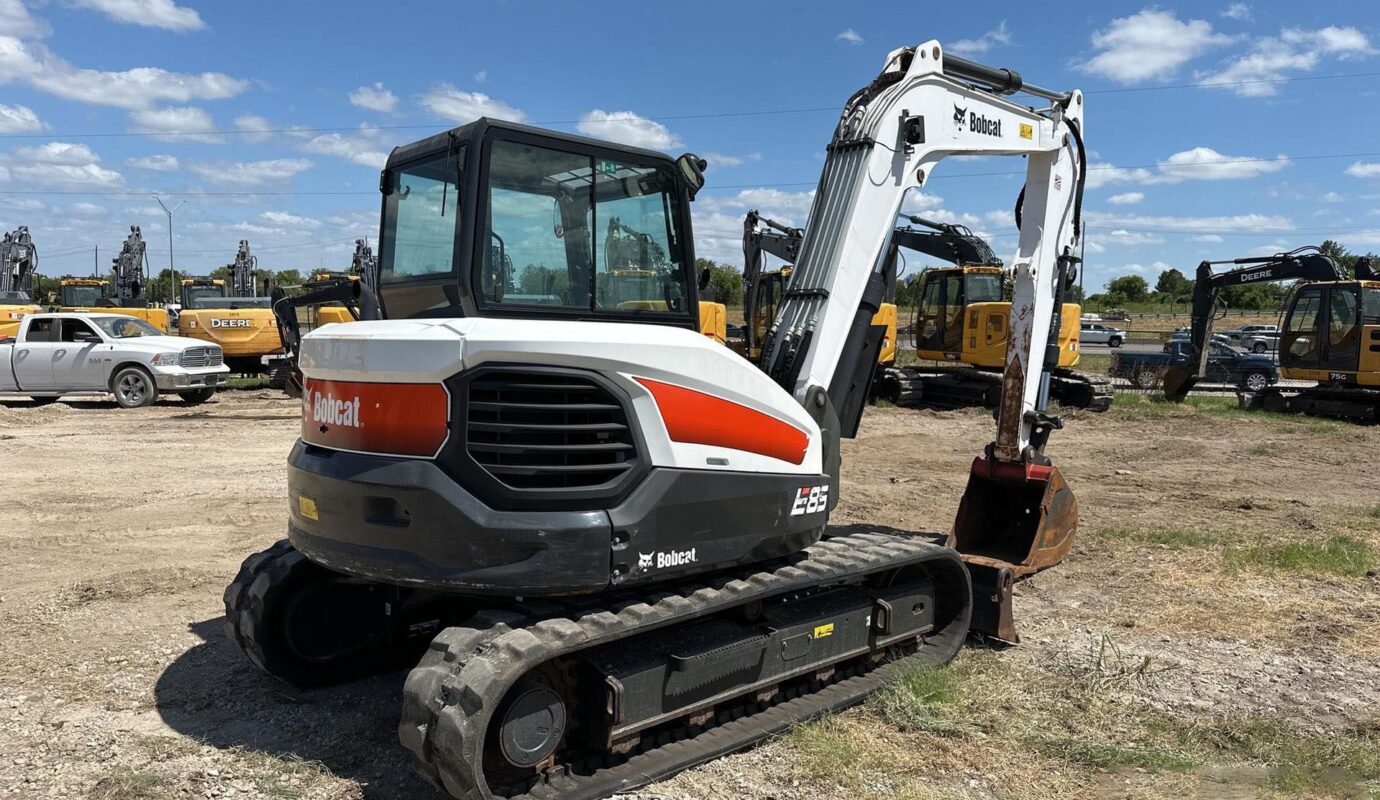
(1330, 333)
(606, 532)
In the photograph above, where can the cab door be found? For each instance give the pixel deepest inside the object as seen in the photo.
(81, 360)
(940, 328)
(1299, 344)
(33, 357)
(1341, 329)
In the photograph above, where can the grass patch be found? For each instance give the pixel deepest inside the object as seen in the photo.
(167, 748)
(1339, 556)
(1105, 756)
(913, 700)
(1173, 538)
(247, 382)
(1301, 763)
(1262, 449)
(1104, 668)
(129, 784)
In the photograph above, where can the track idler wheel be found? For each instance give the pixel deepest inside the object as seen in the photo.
(309, 626)
(1014, 520)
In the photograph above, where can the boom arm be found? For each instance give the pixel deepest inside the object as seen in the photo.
(923, 107)
(242, 271)
(953, 243)
(760, 237)
(1305, 263)
(129, 268)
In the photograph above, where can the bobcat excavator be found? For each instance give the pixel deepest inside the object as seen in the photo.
(1330, 334)
(18, 265)
(606, 532)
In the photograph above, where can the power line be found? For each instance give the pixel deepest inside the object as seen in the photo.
(659, 117)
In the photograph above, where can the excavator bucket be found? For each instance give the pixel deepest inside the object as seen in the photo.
(1178, 381)
(1013, 521)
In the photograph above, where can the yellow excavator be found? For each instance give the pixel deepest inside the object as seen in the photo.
(18, 263)
(233, 317)
(94, 294)
(961, 321)
(1330, 334)
(764, 288)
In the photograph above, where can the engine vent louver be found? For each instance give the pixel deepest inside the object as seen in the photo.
(540, 430)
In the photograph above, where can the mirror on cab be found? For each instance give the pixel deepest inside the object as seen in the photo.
(692, 169)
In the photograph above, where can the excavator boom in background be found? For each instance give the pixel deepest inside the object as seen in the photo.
(607, 532)
(18, 265)
(233, 316)
(129, 272)
(1330, 333)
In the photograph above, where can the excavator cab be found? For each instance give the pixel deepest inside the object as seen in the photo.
(946, 293)
(499, 219)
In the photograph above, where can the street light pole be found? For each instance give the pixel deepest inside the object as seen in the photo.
(172, 265)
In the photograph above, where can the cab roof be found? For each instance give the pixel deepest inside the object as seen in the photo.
(477, 129)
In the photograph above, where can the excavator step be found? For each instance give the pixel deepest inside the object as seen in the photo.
(563, 701)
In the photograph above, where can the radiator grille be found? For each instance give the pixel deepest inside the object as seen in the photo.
(532, 430)
(196, 357)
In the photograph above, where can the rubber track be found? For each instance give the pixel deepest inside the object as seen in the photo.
(244, 597)
(450, 697)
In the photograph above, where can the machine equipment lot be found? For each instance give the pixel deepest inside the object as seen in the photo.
(1215, 632)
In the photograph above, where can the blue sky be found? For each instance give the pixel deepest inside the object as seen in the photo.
(105, 102)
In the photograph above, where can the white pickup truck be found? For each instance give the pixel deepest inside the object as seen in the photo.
(86, 353)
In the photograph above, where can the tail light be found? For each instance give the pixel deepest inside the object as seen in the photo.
(401, 419)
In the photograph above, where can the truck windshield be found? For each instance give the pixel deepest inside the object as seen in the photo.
(126, 327)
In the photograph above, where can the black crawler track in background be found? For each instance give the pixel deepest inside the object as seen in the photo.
(956, 387)
(451, 696)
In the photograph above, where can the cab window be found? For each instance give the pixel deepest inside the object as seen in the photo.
(419, 214)
(1370, 310)
(75, 329)
(40, 330)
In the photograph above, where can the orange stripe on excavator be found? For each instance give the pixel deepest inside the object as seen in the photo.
(697, 418)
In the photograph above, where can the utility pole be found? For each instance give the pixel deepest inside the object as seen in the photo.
(172, 265)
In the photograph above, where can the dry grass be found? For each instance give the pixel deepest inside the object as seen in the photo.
(130, 784)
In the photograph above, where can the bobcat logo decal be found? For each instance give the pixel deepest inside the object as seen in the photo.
(960, 114)
(644, 561)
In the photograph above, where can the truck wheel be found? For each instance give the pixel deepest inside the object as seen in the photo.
(1259, 347)
(134, 387)
(1114, 342)
(1255, 382)
(1146, 379)
(198, 396)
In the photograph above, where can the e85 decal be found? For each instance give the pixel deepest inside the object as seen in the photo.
(810, 500)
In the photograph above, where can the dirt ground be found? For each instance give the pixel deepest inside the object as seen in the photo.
(1213, 634)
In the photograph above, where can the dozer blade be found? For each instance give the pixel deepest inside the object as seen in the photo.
(1178, 381)
(1013, 521)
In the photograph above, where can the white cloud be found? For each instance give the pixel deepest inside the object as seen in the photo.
(482, 76)
(721, 160)
(444, 100)
(850, 36)
(87, 210)
(1237, 11)
(250, 173)
(1126, 198)
(628, 128)
(1274, 59)
(1150, 44)
(364, 146)
(58, 165)
(374, 98)
(15, 20)
(34, 64)
(719, 219)
(1362, 169)
(150, 13)
(1127, 238)
(179, 124)
(19, 119)
(255, 125)
(1238, 222)
(1208, 237)
(1206, 164)
(974, 47)
(1100, 175)
(1331, 197)
(158, 163)
(284, 219)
